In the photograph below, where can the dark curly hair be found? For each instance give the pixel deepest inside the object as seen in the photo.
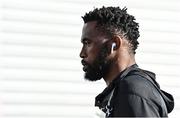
(114, 20)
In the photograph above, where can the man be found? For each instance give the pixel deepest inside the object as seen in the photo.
(109, 39)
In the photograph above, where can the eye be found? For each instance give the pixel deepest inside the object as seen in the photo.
(86, 42)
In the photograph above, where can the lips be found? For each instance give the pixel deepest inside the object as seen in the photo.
(85, 65)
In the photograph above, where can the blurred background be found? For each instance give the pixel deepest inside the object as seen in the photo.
(40, 71)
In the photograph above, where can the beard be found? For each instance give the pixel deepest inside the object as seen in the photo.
(99, 67)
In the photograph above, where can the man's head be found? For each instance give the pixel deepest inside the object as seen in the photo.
(103, 28)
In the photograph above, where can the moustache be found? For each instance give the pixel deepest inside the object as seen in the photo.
(84, 63)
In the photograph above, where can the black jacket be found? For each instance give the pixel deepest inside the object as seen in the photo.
(135, 93)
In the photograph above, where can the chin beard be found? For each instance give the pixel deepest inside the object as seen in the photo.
(99, 67)
(92, 75)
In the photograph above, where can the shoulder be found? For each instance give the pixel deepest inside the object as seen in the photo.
(137, 85)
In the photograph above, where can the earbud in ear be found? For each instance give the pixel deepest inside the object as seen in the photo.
(113, 46)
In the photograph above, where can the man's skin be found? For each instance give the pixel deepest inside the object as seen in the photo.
(93, 40)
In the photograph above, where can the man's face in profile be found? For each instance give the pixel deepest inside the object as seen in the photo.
(94, 52)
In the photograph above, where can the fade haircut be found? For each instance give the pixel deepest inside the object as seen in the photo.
(115, 21)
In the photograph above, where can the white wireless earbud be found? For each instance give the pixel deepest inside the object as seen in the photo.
(113, 46)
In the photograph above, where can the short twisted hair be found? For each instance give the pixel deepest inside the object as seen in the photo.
(113, 20)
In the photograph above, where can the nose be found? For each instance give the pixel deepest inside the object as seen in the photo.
(82, 53)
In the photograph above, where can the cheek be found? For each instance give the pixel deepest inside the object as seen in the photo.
(92, 54)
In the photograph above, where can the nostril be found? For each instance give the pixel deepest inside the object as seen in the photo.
(82, 56)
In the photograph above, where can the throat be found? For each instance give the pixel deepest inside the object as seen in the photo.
(111, 75)
(114, 72)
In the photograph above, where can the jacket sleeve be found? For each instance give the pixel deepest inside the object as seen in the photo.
(131, 105)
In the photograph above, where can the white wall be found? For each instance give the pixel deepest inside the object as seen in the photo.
(40, 70)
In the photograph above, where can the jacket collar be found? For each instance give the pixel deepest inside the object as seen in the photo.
(103, 97)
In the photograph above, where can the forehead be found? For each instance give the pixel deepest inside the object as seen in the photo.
(91, 32)
(89, 28)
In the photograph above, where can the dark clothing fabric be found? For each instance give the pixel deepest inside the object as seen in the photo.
(135, 93)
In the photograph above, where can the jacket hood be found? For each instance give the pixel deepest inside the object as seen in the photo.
(168, 98)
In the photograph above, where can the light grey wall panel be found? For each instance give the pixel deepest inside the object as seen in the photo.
(40, 70)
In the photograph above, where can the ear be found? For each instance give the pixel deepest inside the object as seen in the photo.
(118, 41)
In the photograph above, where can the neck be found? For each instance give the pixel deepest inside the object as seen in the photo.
(119, 66)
